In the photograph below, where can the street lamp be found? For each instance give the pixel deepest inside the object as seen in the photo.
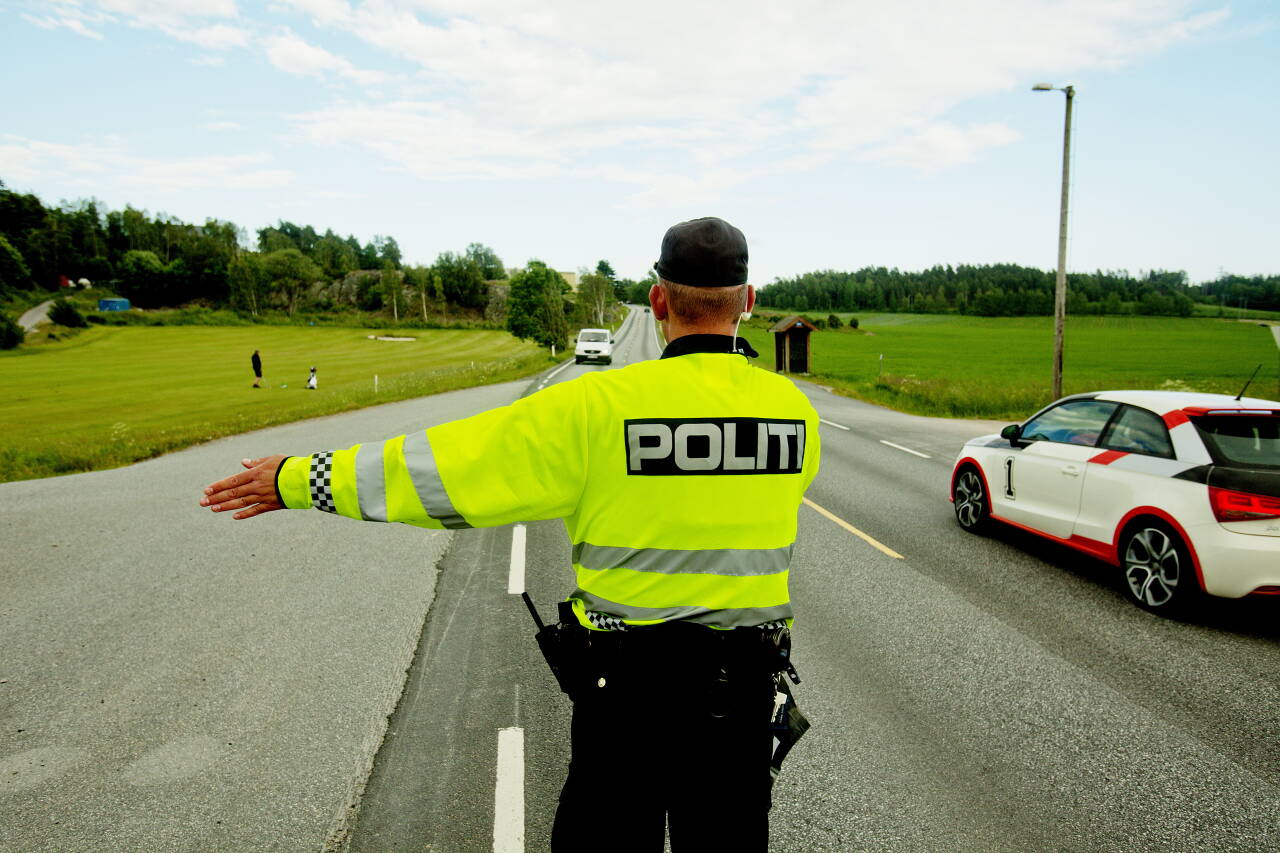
(1060, 290)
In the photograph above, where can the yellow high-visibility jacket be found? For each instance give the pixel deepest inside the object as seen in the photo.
(678, 480)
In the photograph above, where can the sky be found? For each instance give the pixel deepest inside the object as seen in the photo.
(836, 135)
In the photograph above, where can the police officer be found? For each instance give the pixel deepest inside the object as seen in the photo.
(679, 482)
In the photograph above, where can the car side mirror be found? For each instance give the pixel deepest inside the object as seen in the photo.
(1012, 434)
(612, 341)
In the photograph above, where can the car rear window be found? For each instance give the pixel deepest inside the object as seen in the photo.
(1247, 440)
(1138, 431)
(593, 336)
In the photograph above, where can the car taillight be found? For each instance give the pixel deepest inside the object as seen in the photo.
(1230, 505)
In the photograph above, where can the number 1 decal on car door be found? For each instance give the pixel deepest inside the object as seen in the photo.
(1008, 477)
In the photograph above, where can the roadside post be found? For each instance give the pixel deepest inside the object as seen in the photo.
(1060, 286)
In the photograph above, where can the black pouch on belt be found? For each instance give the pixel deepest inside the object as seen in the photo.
(563, 645)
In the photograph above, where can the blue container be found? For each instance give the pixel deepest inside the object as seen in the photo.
(113, 305)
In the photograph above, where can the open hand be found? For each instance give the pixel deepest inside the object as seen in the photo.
(253, 491)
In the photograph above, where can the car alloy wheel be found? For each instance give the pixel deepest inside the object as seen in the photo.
(1157, 568)
(972, 509)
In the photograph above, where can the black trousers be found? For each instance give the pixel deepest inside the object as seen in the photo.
(670, 729)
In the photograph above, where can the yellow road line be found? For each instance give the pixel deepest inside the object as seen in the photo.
(855, 531)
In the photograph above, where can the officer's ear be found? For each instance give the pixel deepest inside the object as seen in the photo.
(658, 301)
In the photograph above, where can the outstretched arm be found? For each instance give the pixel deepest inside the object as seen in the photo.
(522, 462)
(252, 491)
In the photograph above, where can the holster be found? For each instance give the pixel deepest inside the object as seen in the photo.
(564, 646)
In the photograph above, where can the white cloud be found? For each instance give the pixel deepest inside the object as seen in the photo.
(71, 17)
(686, 96)
(30, 161)
(294, 55)
(671, 94)
(942, 145)
(185, 20)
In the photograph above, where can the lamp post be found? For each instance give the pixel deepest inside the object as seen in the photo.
(1060, 290)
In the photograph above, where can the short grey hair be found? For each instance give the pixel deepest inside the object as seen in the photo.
(705, 304)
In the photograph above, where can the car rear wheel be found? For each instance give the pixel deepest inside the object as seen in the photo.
(973, 510)
(1158, 574)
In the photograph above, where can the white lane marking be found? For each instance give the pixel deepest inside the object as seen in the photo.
(834, 424)
(557, 370)
(515, 579)
(884, 549)
(906, 449)
(508, 793)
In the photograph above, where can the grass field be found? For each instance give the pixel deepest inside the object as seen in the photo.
(111, 396)
(956, 366)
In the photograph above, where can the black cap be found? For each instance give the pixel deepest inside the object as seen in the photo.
(707, 252)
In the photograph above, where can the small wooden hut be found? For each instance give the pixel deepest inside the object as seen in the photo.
(791, 344)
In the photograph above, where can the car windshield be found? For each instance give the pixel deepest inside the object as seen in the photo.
(1247, 440)
(593, 336)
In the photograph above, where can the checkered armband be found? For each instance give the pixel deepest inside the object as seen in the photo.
(320, 481)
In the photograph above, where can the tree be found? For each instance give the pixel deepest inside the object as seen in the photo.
(64, 313)
(420, 279)
(638, 294)
(143, 278)
(833, 321)
(535, 308)
(388, 250)
(247, 280)
(335, 255)
(14, 274)
(392, 288)
(273, 239)
(595, 295)
(11, 334)
(289, 272)
(462, 280)
(487, 260)
(605, 269)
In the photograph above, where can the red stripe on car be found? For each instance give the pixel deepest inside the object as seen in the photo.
(1175, 418)
(1106, 457)
(1092, 547)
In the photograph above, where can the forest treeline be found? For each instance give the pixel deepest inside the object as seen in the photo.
(162, 262)
(1005, 290)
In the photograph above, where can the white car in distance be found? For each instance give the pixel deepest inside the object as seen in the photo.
(594, 345)
(1181, 491)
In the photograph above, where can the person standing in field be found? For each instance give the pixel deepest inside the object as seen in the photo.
(311, 380)
(256, 361)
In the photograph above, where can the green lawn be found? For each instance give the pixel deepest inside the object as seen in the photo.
(111, 396)
(959, 366)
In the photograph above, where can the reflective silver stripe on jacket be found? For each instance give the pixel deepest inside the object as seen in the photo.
(738, 562)
(371, 482)
(421, 462)
(738, 617)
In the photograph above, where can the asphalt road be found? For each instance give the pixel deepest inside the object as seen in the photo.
(35, 316)
(169, 672)
(975, 694)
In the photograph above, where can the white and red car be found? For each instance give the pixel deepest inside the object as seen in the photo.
(1181, 491)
